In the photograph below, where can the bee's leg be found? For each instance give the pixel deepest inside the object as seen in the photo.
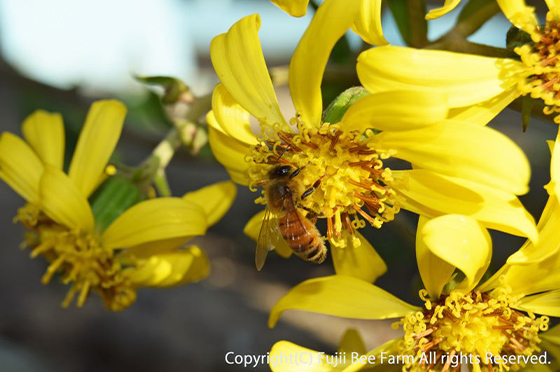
(295, 173)
(312, 189)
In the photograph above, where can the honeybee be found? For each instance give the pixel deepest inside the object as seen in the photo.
(283, 222)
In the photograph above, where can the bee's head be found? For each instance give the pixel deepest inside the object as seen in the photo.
(282, 171)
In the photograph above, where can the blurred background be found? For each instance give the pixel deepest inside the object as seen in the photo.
(61, 55)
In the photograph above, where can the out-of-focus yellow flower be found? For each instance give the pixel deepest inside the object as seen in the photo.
(478, 87)
(367, 22)
(494, 317)
(459, 167)
(140, 248)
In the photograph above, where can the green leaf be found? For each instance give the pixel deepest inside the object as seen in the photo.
(112, 199)
(338, 107)
(527, 104)
(174, 89)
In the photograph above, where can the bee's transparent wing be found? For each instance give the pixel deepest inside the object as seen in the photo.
(268, 238)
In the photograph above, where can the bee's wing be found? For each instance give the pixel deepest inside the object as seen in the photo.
(268, 238)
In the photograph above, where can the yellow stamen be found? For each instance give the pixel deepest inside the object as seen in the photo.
(470, 324)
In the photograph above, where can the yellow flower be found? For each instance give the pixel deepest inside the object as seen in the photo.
(139, 248)
(497, 316)
(368, 22)
(478, 87)
(459, 167)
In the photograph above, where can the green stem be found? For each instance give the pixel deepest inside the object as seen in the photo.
(417, 23)
(164, 152)
(161, 183)
(474, 21)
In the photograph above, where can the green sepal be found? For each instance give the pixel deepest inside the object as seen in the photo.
(112, 199)
(174, 89)
(338, 107)
(516, 38)
(527, 104)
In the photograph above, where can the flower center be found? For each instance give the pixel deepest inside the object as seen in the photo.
(78, 258)
(341, 177)
(541, 59)
(466, 328)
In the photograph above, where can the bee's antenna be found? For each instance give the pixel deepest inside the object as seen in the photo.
(283, 152)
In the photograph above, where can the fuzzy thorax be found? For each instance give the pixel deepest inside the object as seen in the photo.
(344, 174)
(78, 258)
(472, 323)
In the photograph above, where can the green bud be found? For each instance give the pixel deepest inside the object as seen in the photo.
(338, 107)
(174, 89)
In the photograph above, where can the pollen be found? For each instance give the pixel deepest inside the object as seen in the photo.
(341, 177)
(542, 79)
(477, 329)
(78, 258)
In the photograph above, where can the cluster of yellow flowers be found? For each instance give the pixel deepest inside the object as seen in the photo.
(428, 108)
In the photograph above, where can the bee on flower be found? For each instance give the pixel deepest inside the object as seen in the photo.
(478, 87)
(334, 164)
(499, 323)
(142, 247)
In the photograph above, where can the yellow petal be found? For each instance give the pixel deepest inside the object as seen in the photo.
(148, 249)
(45, 133)
(97, 141)
(482, 113)
(431, 194)
(545, 303)
(466, 79)
(463, 150)
(229, 152)
(535, 278)
(284, 354)
(231, 117)
(253, 229)
(388, 348)
(352, 342)
(554, 188)
(171, 269)
(395, 111)
(462, 242)
(20, 167)
(549, 240)
(239, 62)
(362, 262)
(519, 14)
(63, 202)
(341, 296)
(295, 8)
(552, 4)
(434, 271)
(312, 53)
(215, 200)
(153, 220)
(448, 6)
(368, 23)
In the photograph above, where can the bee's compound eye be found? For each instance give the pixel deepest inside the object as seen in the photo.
(280, 172)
